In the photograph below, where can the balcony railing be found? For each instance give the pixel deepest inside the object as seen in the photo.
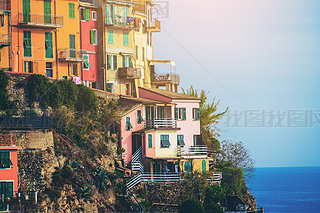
(161, 123)
(154, 25)
(5, 40)
(129, 73)
(122, 22)
(217, 176)
(71, 55)
(5, 5)
(160, 177)
(188, 151)
(166, 78)
(40, 20)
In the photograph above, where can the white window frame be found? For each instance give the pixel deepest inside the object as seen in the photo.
(83, 62)
(10, 157)
(94, 19)
(95, 36)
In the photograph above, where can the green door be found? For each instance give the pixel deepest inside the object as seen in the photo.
(48, 43)
(204, 167)
(47, 11)
(72, 44)
(26, 10)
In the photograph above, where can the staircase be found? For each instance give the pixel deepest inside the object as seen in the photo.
(136, 164)
(133, 202)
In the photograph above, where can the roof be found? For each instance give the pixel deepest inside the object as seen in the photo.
(171, 95)
(144, 101)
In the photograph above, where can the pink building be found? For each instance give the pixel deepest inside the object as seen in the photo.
(89, 42)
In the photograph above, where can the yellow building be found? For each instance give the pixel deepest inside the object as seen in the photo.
(69, 54)
(5, 40)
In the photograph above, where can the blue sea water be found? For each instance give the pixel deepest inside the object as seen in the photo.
(289, 189)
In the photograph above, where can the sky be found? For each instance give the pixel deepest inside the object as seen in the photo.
(261, 58)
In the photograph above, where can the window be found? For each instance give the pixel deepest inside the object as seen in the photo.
(49, 72)
(28, 66)
(6, 188)
(72, 45)
(86, 64)
(180, 140)
(128, 124)
(47, 11)
(127, 89)
(137, 52)
(204, 167)
(109, 87)
(93, 36)
(83, 14)
(74, 69)
(126, 38)
(27, 43)
(126, 61)
(5, 161)
(112, 63)
(164, 141)
(139, 117)
(180, 114)
(48, 45)
(87, 14)
(110, 36)
(94, 16)
(125, 15)
(143, 57)
(197, 140)
(149, 141)
(196, 114)
(71, 10)
(109, 17)
(188, 167)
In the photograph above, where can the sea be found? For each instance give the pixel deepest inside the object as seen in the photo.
(287, 189)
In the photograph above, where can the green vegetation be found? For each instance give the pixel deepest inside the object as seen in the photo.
(5, 104)
(191, 206)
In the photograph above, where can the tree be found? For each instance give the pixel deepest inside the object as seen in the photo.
(214, 195)
(191, 206)
(209, 117)
(237, 156)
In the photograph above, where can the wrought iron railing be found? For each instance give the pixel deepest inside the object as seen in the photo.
(161, 123)
(41, 19)
(170, 78)
(69, 54)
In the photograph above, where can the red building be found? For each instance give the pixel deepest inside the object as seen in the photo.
(89, 42)
(8, 168)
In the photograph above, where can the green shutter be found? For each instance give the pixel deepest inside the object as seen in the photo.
(108, 61)
(107, 14)
(139, 117)
(86, 64)
(130, 62)
(71, 10)
(115, 63)
(27, 43)
(176, 113)
(125, 38)
(48, 45)
(109, 87)
(197, 114)
(204, 168)
(125, 14)
(92, 36)
(128, 124)
(72, 44)
(123, 61)
(110, 36)
(47, 11)
(184, 114)
(26, 10)
(149, 141)
(114, 13)
(87, 14)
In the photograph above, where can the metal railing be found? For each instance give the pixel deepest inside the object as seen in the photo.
(70, 54)
(217, 176)
(27, 195)
(133, 181)
(135, 202)
(161, 123)
(170, 78)
(192, 150)
(136, 164)
(5, 5)
(41, 19)
(5, 39)
(160, 177)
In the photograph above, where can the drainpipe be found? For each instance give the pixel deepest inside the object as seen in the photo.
(81, 67)
(9, 34)
(18, 52)
(56, 39)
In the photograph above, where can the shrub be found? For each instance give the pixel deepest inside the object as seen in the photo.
(87, 100)
(100, 176)
(5, 103)
(191, 206)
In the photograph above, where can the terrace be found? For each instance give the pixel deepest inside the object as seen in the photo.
(71, 55)
(40, 20)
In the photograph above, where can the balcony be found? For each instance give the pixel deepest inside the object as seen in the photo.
(193, 151)
(5, 40)
(71, 55)
(40, 20)
(154, 25)
(161, 123)
(129, 73)
(121, 23)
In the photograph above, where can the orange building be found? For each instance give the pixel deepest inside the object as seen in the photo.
(5, 36)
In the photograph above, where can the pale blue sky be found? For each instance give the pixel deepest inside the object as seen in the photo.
(253, 55)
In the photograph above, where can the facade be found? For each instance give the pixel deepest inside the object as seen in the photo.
(89, 42)
(8, 168)
(5, 36)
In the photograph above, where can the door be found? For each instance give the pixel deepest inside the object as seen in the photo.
(72, 44)
(204, 167)
(136, 142)
(47, 11)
